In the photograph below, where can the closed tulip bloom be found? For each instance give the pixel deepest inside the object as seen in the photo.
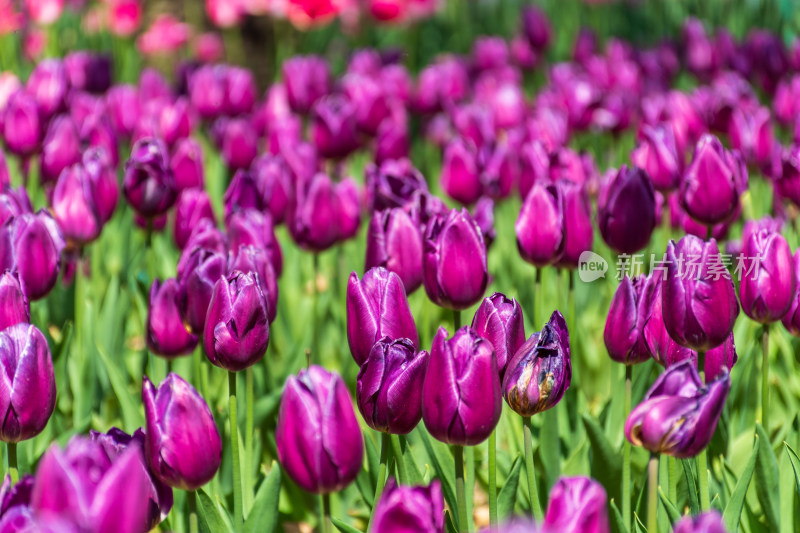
(499, 320)
(202, 270)
(29, 391)
(61, 148)
(242, 193)
(460, 172)
(630, 309)
(103, 180)
(80, 488)
(658, 155)
(186, 163)
(698, 298)
(205, 236)
(15, 308)
(540, 372)
(402, 509)
(324, 213)
(627, 211)
(660, 345)
(377, 307)
(149, 184)
(193, 206)
(240, 91)
(174, 121)
(678, 415)
(166, 334)
(31, 246)
(389, 386)
(13, 202)
(708, 522)
(577, 504)
(536, 28)
(317, 410)
(307, 79)
(256, 260)
(392, 137)
(48, 85)
(124, 108)
(720, 359)
(275, 185)
(252, 228)
(333, 127)
(791, 320)
(236, 333)
(768, 283)
(96, 132)
(394, 242)
(369, 99)
(239, 143)
(393, 183)
(87, 71)
(207, 91)
(579, 231)
(541, 225)
(74, 207)
(712, 182)
(750, 132)
(183, 447)
(22, 130)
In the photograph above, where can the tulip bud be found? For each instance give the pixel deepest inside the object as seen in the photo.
(29, 396)
(577, 504)
(402, 508)
(698, 298)
(630, 309)
(627, 211)
(460, 173)
(678, 415)
(540, 372)
(193, 206)
(207, 90)
(13, 202)
(149, 185)
(103, 182)
(174, 122)
(455, 273)
(541, 225)
(708, 522)
(22, 129)
(61, 148)
(660, 345)
(242, 193)
(722, 357)
(166, 334)
(48, 85)
(658, 155)
(393, 183)
(307, 79)
(187, 164)
(392, 137)
(236, 334)
(252, 228)
(323, 214)
(333, 127)
(239, 144)
(275, 185)
(122, 102)
(394, 242)
(87, 71)
(15, 308)
(240, 91)
(536, 27)
(205, 236)
(316, 409)
(183, 447)
(200, 272)
(31, 246)
(579, 231)
(389, 387)
(257, 260)
(499, 320)
(750, 132)
(368, 99)
(768, 283)
(74, 207)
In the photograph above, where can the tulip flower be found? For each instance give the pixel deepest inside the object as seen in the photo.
(174, 122)
(207, 91)
(16, 495)
(13, 202)
(103, 182)
(60, 149)
(316, 409)
(441, 85)
(149, 184)
(96, 132)
(197, 279)
(768, 283)
(541, 225)
(193, 205)
(275, 185)
(540, 372)
(678, 415)
(15, 308)
(81, 487)
(460, 172)
(242, 193)
(791, 320)
(166, 334)
(499, 320)
(307, 79)
(186, 163)
(74, 206)
(87, 71)
(536, 28)
(29, 396)
(392, 137)
(257, 260)
(369, 99)
(579, 232)
(31, 246)
(240, 91)
(483, 215)
(389, 386)
(660, 345)
(454, 265)
(239, 143)
(122, 102)
(627, 211)
(394, 242)
(22, 129)
(252, 228)
(708, 522)
(751, 133)
(630, 310)
(658, 155)
(577, 504)
(333, 127)
(183, 447)
(698, 299)
(205, 236)
(48, 86)
(722, 357)
(393, 183)
(402, 508)
(377, 307)
(124, 16)
(324, 213)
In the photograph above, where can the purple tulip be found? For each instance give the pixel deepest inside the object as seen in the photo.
(393, 183)
(768, 283)
(377, 307)
(317, 410)
(201, 271)
(455, 272)
(239, 143)
(708, 522)
(252, 228)
(174, 121)
(367, 96)
(242, 193)
(660, 345)
(87, 71)
(394, 242)
(22, 129)
(483, 214)
(31, 246)
(461, 401)
(16, 495)
(722, 357)
(630, 310)
(791, 320)
(441, 85)
(658, 155)
(236, 334)
(402, 509)
(536, 28)
(124, 108)
(460, 172)
(333, 127)
(74, 207)
(186, 163)
(577, 504)
(103, 180)
(750, 132)
(29, 395)
(257, 260)
(627, 211)
(392, 137)
(698, 298)
(275, 185)
(48, 85)
(579, 231)
(166, 334)
(389, 386)
(15, 308)
(240, 91)
(324, 213)
(149, 184)
(472, 125)
(307, 79)
(61, 148)
(207, 90)
(540, 372)
(13, 202)
(205, 236)
(678, 415)
(499, 320)
(193, 205)
(541, 225)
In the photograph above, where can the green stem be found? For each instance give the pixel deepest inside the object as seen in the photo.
(536, 506)
(765, 379)
(238, 513)
(249, 396)
(537, 300)
(456, 320)
(191, 500)
(626, 454)
(469, 483)
(652, 494)
(702, 459)
(315, 311)
(13, 470)
(673, 479)
(461, 496)
(397, 448)
(327, 525)
(386, 443)
(492, 479)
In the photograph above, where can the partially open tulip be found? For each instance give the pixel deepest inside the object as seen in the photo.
(22, 130)
(29, 396)
(149, 184)
(317, 410)
(393, 183)
(193, 206)
(627, 211)
(74, 206)
(768, 279)
(698, 298)
(183, 447)
(708, 522)
(377, 307)
(630, 309)
(201, 271)
(61, 148)
(577, 504)
(499, 320)
(256, 259)
(578, 228)
(540, 372)
(166, 334)
(389, 386)
(394, 242)
(678, 415)
(307, 79)
(324, 213)
(460, 172)
(31, 246)
(541, 225)
(15, 308)
(658, 155)
(402, 509)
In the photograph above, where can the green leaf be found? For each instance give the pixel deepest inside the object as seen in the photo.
(767, 480)
(733, 511)
(443, 465)
(795, 460)
(606, 462)
(449, 523)
(672, 512)
(212, 518)
(264, 514)
(508, 494)
(694, 501)
(340, 525)
(550, 447)
(617, 523)
(130, 412)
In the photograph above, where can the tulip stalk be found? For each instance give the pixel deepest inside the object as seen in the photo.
(492, 479)
(536, 506)
(652, 493)
(327, 525)
(702, 459)
(238, 513)
(386, 443)
(13, 470)
(397, 449)
(765, 378)
(249, 396)
(191, 500)
(626, 454)
(461, 497)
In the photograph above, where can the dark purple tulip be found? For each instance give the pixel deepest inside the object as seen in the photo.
(61, 148)
(166, 334)
(658, 155)
(317, 410)
(275, 185)
(499, 320)
(103, 180)
(630, 310)
(722, 357)
(186, 163)
(307, 79)
(183, 447)
(579, 232)
(205, 236)
(393, 183)
(13, 202)
(149, 184)
(678, 415)
(377, 307)
(324, 213)
(402, 509)
(394, 242)
(239, 143)
(461, 400)
(536, 27)
(124, 108)
(15, 308)
(174, 121)
(698, 298)
(29, 392)
(367, 96)
(660, 345)
(713, 182)
(768, 279)
(16, 495)
(460, 173)
(249, 227)
(389, 387)
(577, 504)
(82, 489)
(74, 207)
(483, 214)
(708, 522)
(207, 90)
(540, 372)
(240, 91)
(791, 320)
(193, 205)
(236, 334)
(242, 193)
(499, 169)
(257, 260)
(22, 129)
(333, 127)
(31, 246)
(392, 137)
(201, 271)
(87, 71)
(627, 211)
(48, 85)
(541, 225)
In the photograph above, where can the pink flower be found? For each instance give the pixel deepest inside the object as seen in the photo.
(10, 19)
(44, 11)
(124, 16)
(34, 43)
(307, 13)
(209, 48)
(225, 13)
(166, 34)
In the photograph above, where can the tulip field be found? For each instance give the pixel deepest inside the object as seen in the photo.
(398, 266)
